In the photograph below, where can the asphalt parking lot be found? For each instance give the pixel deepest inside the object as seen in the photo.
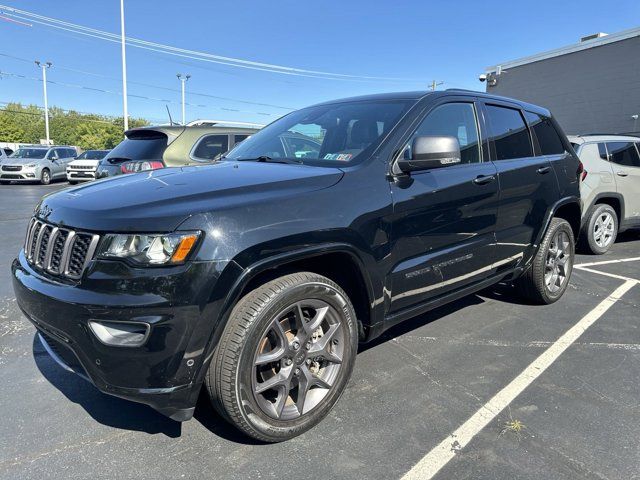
(425, 399)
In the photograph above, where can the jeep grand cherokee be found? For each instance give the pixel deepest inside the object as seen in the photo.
(258, 276)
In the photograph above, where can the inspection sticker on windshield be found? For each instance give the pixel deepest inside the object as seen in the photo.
(338, 156)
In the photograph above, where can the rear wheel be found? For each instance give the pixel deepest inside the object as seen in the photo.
(600, 230)
(45, 177)
(548, 275)
(285, 357)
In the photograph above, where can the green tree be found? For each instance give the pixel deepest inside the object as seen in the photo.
(25, 124)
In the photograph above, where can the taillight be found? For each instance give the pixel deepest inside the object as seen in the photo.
(134, 167)
(581, 173)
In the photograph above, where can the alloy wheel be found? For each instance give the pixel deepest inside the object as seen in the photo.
(298, 359)
(558, 261)
(603, 229)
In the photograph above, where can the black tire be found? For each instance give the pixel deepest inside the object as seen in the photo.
(595, 238)
(72, 182)
(45, 177)
(231, 378)
(534, 283)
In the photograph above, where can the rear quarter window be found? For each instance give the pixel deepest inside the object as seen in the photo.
(545, 135)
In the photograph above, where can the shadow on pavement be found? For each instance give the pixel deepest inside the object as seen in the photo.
(105, 409)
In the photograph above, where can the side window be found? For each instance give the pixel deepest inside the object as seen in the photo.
(210, 146)
(53, 154)
(239, 138)
(509, 133)
(455, 120)
(546, 135)
(602, 151)
(624, 153)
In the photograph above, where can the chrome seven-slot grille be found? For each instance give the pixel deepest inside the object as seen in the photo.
(57, 250)
(81, 167)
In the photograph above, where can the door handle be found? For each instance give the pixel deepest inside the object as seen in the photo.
(622, 174)
(543, 170)
(484, 179)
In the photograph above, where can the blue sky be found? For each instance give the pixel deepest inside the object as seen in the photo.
(414, 40)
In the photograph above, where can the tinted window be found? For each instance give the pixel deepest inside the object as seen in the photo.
(546, 135)
(142, 146)
(29, 153)
(92, 155)
(239, 138)
(623, 153)
(211, 146)
(455, 120)
(602, 151)
(509, 133)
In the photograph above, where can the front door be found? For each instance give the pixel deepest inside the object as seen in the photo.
(444, 219)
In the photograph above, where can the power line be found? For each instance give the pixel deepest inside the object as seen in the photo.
(113, 92)
(217, 97)
(187, 53)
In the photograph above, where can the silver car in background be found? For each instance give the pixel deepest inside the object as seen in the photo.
(37, 164)
(610, 189)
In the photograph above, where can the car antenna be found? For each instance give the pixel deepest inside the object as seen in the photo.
(169, 113)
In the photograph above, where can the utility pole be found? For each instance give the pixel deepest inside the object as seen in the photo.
(434, 84)
(125, 112)
(183, 80)
(44, 67)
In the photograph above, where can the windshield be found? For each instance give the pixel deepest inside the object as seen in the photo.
(35, 153)
(146, 145)
(91, 155)
(326, 135)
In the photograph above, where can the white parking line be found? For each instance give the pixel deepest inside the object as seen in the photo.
(437, 458)
(606, 262)
(606, 274)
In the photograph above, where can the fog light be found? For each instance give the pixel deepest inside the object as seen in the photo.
(31, 175)
(120, 334)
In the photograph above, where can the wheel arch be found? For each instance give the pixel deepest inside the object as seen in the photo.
(614, 200)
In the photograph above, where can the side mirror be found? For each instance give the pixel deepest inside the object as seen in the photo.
(431, 152)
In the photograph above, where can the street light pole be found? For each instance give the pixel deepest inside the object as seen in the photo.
(183, 81)
(125, 112)
(44, 67)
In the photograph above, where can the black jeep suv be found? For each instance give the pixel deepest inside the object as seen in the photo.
(258, 276)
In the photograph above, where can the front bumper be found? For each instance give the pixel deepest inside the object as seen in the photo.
(80, 175)
(166, 371)
(23, 175)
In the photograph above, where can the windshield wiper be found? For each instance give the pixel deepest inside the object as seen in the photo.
(265, 158)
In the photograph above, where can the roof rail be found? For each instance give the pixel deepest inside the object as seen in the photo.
(224, 122)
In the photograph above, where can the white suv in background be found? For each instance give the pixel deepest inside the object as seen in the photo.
(85, 165)
(610, 189)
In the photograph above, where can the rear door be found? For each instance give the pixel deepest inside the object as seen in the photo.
(444, 219)
(625, 160)
(528, 184)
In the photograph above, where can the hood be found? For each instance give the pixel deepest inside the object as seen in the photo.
(159, 200)
(22, 161)
(84, 163)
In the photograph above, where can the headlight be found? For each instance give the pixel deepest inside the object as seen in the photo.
(168, 249)
(31, 165)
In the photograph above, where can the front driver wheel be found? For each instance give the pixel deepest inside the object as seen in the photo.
(548, 275)
(45, 177)
(285, 357)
